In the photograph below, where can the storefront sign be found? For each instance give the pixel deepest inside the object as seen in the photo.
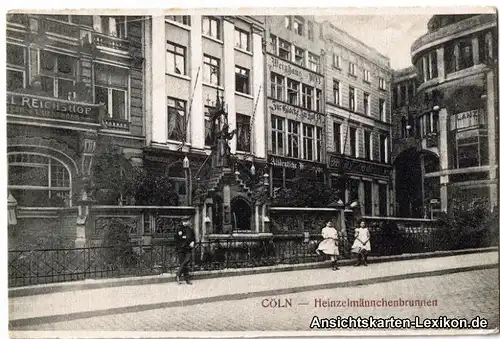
(293, 163)
(356, 166)
(295, 113)
(20, 104)
(294, 72)
(467, 119)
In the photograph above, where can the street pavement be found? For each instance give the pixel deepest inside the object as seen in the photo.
(462, 286)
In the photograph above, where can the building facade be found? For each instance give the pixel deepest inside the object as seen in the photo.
(452, 114)
(74, 87)
(294, 100)
(357, 87)
(199, 65)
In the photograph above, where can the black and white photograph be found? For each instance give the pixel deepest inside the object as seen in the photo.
(256, 172)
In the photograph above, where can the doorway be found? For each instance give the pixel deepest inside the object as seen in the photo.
(241, 215)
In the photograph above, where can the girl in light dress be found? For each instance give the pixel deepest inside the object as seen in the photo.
(329, 246)
(361, 245)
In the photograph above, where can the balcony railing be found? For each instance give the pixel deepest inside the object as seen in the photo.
(107, 41)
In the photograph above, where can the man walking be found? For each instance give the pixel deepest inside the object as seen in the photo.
(184, 241)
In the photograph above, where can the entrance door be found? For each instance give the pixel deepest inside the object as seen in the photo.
(241, 215)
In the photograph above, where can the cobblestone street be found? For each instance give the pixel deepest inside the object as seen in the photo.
(459, 295)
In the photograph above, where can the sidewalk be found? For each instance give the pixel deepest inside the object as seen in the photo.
(58, 306)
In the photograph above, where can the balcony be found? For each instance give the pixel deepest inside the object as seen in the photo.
(116, 124)
(110, 42)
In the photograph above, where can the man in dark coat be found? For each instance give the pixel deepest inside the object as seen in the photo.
(184, 241)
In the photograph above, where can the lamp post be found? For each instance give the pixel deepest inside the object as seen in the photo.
(185, 165)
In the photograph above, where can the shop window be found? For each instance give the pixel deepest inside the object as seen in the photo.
(307, 96)
(181, 19)
(299, 56)
(293, 135)
(176, 119)
(242, 78)
(307, 141)
(337, 136)
(243, 133)
(293, 92)
(382, 194)
(36, 180)
(176, 58)
(313, 62)
(290, 177)
(211, 70)
(211, 27)
(336, 92)
(471, 151)
(241, 39)
(284, 49)
(178, 177)
(353, 141)
(368, 197)
(278, 135)
(352, 99)
(111, 88)
(352, 190)
(277, 86)
(278, 180)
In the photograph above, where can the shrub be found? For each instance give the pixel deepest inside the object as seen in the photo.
(117, 244)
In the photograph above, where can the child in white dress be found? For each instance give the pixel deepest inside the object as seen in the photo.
(361, 245)
(329, 246)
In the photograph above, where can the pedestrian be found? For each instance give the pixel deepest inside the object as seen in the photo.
(184, 241)
(361, 245)
(329, 246)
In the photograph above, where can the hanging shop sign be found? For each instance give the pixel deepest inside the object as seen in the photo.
(294, 72)
(295, 163)
(19, 104)
(467, 119)
(295, 113)
(351, 165)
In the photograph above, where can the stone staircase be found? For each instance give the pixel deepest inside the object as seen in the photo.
(226, 174)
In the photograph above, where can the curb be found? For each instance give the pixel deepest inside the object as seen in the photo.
(239, 296)
(165, 278)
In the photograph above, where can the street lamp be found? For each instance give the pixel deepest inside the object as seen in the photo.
(185, 165)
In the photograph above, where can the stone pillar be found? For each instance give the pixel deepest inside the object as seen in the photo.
(257, 217)
(443, 139)
(197, 119)
(226, 218)
(475, 50)
(440, 63)
(229, 82)
(158, 88)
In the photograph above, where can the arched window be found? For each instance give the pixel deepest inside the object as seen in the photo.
(37, 180)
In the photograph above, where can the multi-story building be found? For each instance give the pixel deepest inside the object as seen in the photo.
(74, 86)
(196, 64)
(453, 115)
(295, 100)
(358, 133)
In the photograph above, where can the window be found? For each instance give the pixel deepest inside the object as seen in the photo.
(319, 96)
(382, 109)
(319, 143)
(313, 62)
(298, 26)
(211, 70)
(293, 138)
(209, 126)
(381, 83)
(465, 59)
(368, 145)
(352, 68)
(353, 141)
(366, 103)
(450, 58)
(38, 180)
(111, 86)
(352, 99)
(299, 56)
(278, 135)
(243, 133)
(284, 49)
(337, 136)
(432, 65)
(310, 30)
(307, 97)
(368, 197)
(366, 75)
(16, 60)
(435, 122)
(382, 199)
(336, 61)
(382, 144)
(274, 42)
(288, 22)
(176, 119)
(293, 92)
(241, 39)
(471, 151)
(211, 27)
(176, 58)
(307, 141)
(111, 25)
(352, 189)
(182, 19)
(57, 74)
(277, 86)
(242, 80)
(336, 92)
